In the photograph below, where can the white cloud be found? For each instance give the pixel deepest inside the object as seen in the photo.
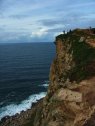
(39, 33)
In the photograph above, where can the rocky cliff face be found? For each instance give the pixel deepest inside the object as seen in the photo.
(71, 93)
(70, 99)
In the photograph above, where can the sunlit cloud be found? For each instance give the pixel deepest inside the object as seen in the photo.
(39, 33)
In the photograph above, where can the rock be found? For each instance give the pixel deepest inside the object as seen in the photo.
(54, 123)
(5, 118)
(68, 95)
(81, 39)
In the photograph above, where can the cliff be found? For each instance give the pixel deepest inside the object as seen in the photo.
(70, 96)
(71, 93)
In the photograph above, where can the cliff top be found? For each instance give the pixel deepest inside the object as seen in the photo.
(81, 44)
(78, 32)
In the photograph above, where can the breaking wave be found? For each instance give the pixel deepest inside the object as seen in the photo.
(13, 109)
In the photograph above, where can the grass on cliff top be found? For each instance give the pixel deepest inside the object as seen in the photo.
(83, 53)
(77, 33)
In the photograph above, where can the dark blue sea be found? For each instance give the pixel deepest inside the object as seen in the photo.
(24, 75)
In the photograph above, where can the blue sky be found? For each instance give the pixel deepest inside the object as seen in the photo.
(42, 20)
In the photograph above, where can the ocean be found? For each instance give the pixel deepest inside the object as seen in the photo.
(24, 75)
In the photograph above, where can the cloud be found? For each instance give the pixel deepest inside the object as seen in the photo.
(52, 22)
(33, 20)
(39, 33)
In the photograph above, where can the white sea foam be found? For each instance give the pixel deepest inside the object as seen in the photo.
(46, 84)
(13, 109)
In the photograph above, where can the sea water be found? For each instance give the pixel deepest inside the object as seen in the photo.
(24, 75)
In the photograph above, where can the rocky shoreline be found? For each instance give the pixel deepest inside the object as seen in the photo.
(24, 118)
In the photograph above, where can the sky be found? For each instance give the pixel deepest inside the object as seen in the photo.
(42, 20)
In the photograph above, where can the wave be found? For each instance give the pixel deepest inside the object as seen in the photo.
(13, 109)
(46, 84)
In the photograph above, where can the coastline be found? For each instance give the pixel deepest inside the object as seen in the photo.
(24, 118)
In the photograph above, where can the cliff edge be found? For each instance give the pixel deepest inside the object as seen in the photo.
(71, 92)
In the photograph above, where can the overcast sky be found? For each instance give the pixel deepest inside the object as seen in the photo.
(42, 20)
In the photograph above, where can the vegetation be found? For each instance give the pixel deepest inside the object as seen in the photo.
(83, 53)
